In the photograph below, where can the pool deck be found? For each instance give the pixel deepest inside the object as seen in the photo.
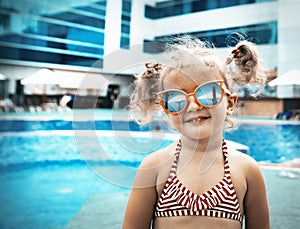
(107, 211)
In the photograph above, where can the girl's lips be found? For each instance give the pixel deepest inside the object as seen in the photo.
(198, 119)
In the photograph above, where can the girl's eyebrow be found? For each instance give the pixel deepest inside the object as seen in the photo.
(186, 90)
(177, 88)
(182, 89)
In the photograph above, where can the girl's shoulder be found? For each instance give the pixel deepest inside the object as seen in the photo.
(160, 157)
(154, 168)
(242, 162)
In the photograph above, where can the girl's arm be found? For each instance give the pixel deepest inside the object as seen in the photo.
(256, 205)
(142, 199)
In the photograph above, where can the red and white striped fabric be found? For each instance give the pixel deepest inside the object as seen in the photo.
(219, 201)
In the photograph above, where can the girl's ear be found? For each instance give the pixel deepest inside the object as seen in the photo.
(231, 103)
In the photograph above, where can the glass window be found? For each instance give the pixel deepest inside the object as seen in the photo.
(126, 18)
(153, 46)
(126, 6)
(48, 32)
(81, 19)
(124, 43)
(101, 3)
(125, 24)
(44, 57)
(265, 33)
(98, 11)
(178, 7)
(198, 6)
(125, 29)
(151, 12)
(187, 8)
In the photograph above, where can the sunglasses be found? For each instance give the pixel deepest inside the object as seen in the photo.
(208, 95)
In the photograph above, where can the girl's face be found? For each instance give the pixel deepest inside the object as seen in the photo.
(197, 122)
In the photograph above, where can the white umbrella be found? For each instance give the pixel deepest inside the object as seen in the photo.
(66, 79)
(39, 80)
(2, 77)
(290, 78)
(42, 77)
(83, 81)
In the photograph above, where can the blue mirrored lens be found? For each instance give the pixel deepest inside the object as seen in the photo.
(174, 101)
(209, 94)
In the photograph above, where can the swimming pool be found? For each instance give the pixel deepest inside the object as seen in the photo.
(271, 142)
(46, 173)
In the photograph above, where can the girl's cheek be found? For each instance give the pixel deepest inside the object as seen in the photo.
(219, 114)
(177, 121)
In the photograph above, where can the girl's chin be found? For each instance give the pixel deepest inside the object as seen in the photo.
(191, 133)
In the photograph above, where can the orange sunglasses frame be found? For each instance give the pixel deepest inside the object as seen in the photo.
(223, 91)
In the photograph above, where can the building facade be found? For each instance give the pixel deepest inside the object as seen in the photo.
(118, 36)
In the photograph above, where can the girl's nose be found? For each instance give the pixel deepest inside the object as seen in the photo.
(193, 106)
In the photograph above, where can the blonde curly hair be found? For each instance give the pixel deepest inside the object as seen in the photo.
(188, 54)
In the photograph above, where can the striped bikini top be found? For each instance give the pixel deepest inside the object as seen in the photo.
(219, 201)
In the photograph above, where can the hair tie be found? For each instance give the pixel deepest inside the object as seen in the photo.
(232, 55)
(152, 71)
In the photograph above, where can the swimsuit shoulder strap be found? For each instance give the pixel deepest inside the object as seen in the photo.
(226, 163)
(174, 164)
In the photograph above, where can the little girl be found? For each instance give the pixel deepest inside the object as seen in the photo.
(197, 181)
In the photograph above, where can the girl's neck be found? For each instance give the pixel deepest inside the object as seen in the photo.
(202, 153)
(201, 146)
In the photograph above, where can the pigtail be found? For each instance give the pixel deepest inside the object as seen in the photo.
(248, 69)
(144, 101)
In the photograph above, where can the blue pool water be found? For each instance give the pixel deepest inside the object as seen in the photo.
(269, 143)
(47, 173)
(273, 143)
(46, 195)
